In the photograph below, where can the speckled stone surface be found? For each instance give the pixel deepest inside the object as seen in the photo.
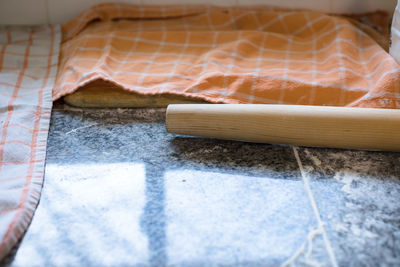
(358, 196)
(120, 191)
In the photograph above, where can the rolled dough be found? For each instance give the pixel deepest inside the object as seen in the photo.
(103, 94)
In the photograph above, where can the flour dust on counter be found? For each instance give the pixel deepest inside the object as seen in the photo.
(120, 190)
(365, 222)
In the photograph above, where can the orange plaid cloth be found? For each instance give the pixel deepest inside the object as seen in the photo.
(28, 67)
(229, 55)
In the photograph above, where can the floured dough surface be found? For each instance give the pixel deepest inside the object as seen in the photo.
(103, 94)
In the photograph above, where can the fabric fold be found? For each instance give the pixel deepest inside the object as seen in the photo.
(28, 67)
(232, 55)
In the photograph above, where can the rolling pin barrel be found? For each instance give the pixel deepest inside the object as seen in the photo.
(335, 127)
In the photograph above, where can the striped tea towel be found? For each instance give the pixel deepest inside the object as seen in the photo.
(28, 66)
(230, 55)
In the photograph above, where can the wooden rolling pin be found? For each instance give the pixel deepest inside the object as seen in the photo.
(335, 127)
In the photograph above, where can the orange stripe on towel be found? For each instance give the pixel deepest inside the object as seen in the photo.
(14, 96)
(33, 161)
(232, 55)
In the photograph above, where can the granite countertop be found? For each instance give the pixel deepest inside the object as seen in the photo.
(119, 190)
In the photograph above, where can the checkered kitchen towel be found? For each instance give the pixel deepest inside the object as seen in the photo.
(230, 55)
(28, 66)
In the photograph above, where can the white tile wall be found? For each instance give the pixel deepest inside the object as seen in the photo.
(23, 12)
(319, 5)
(59, 11)
(62, 10)
(204, 2)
